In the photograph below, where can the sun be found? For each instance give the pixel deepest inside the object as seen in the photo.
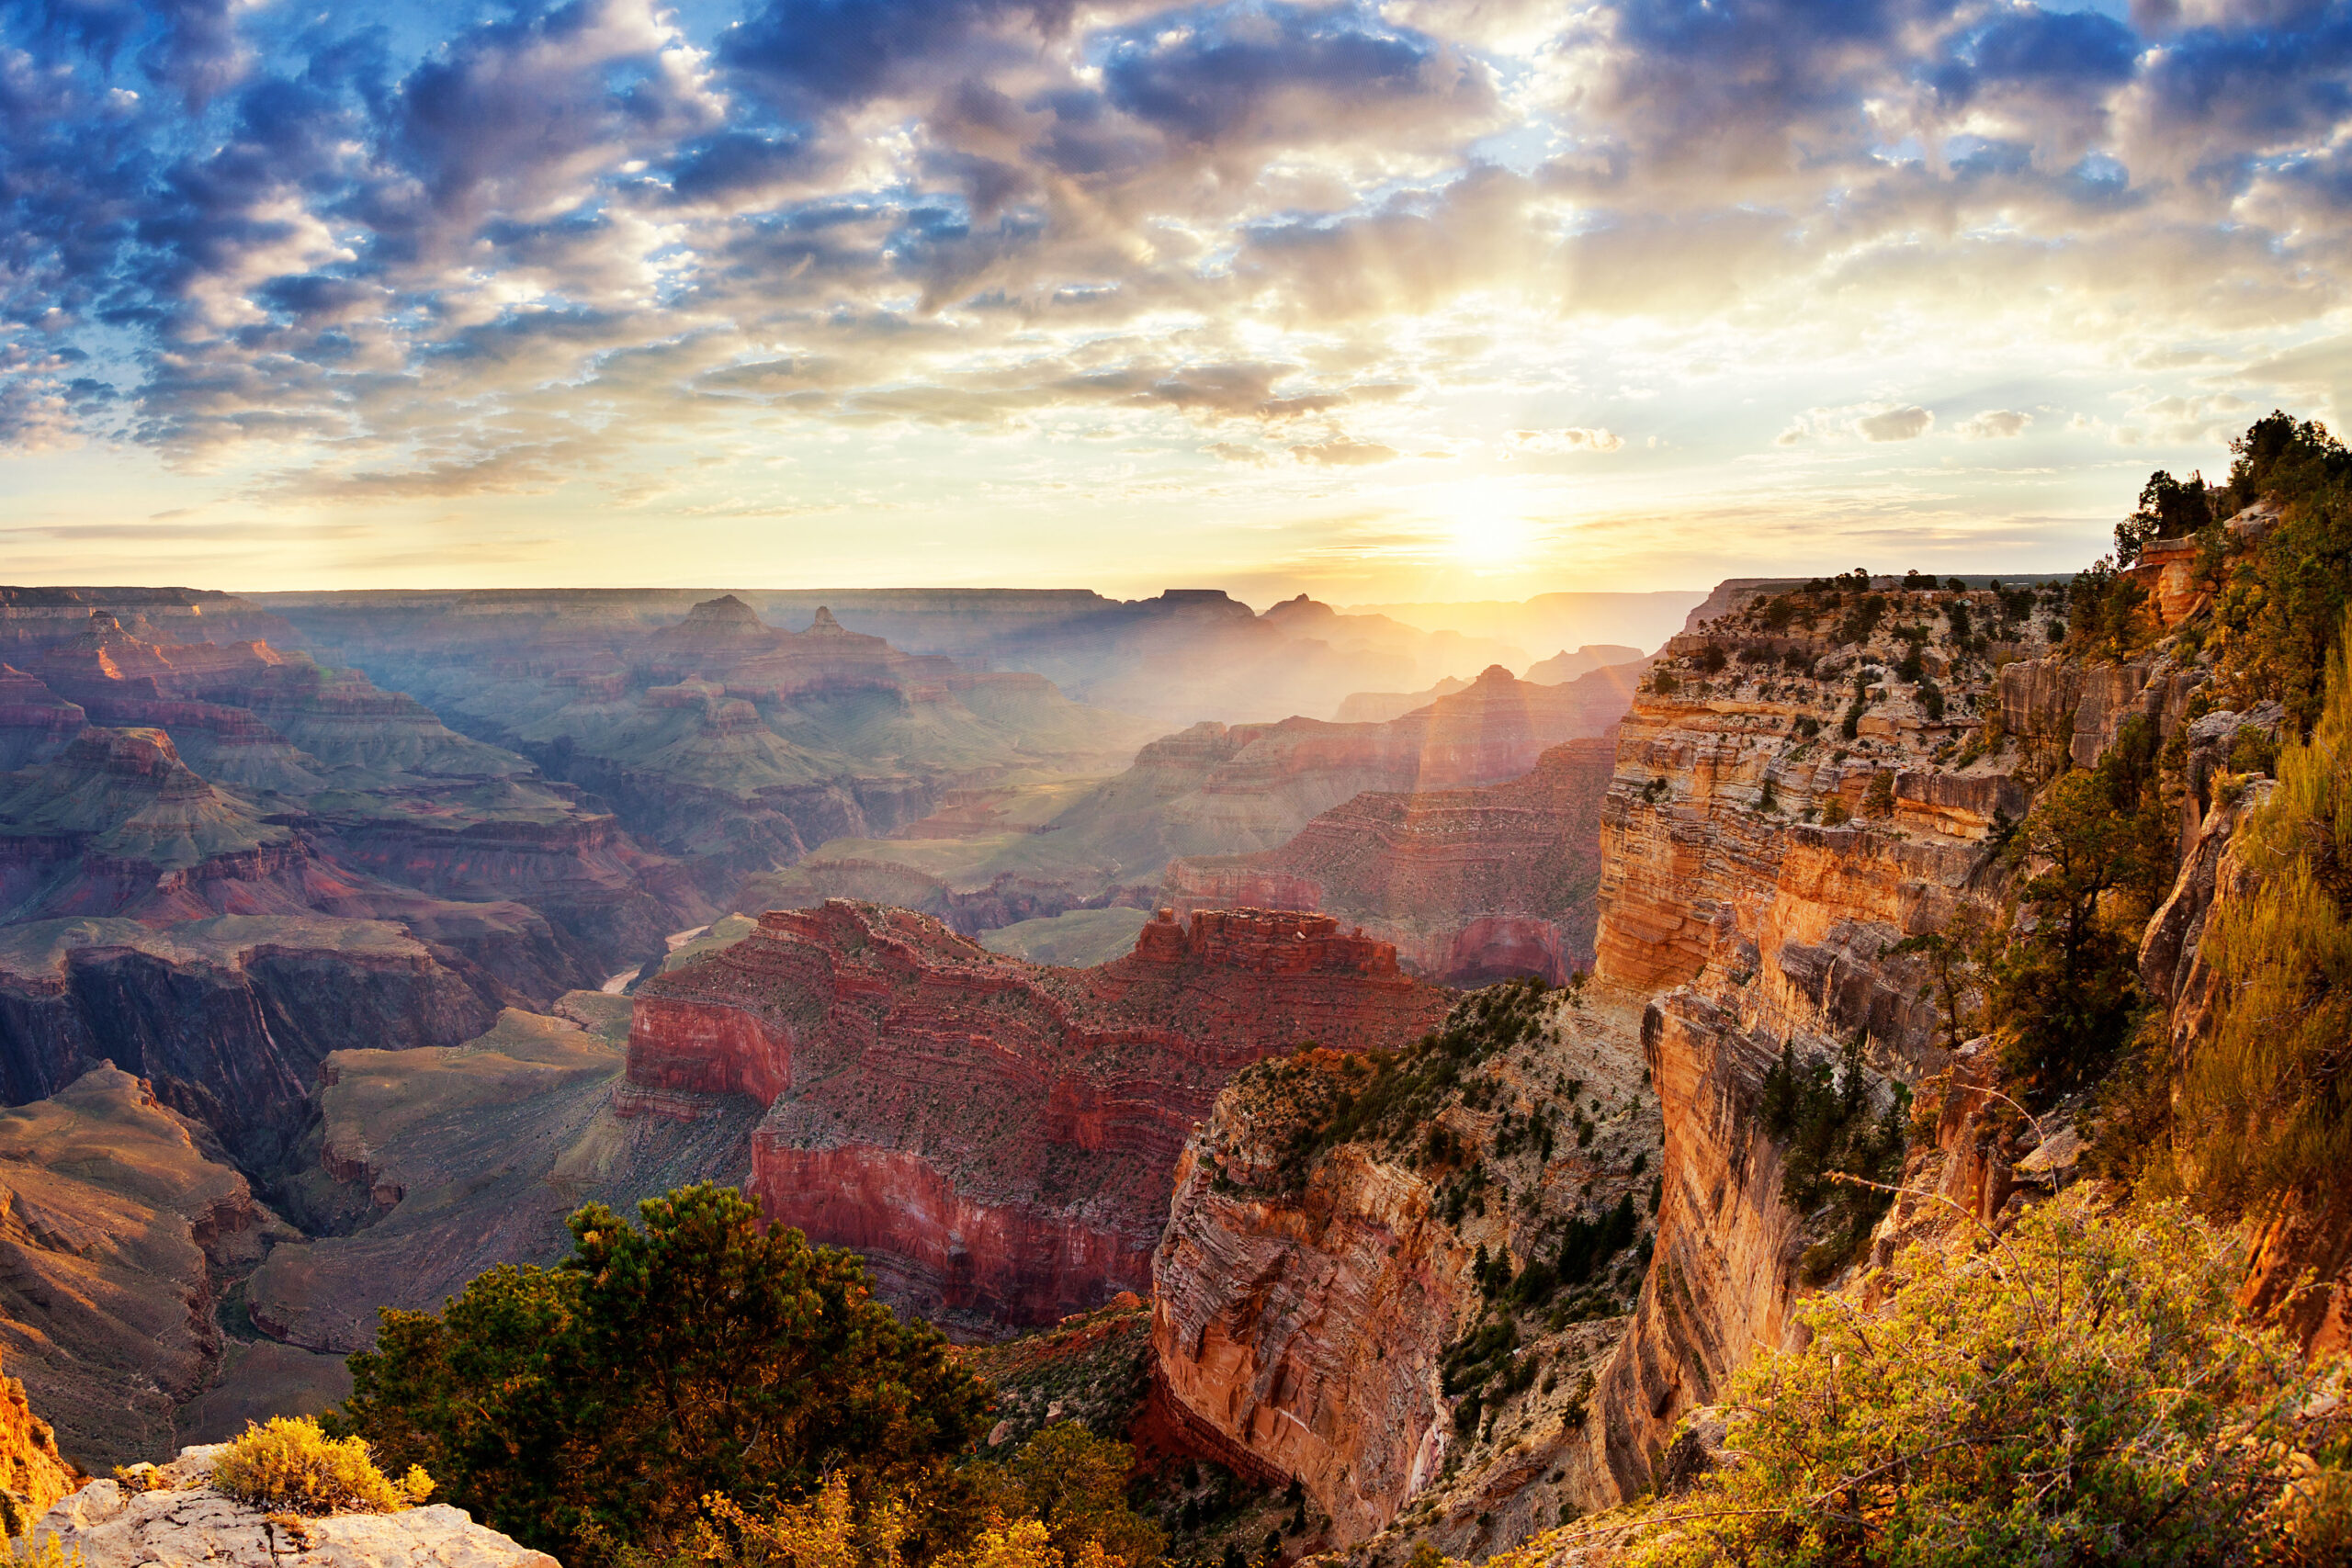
(1485, 533)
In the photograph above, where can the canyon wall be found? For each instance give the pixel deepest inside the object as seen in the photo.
(1755, 925)
(997, 1135)
(120, 1232)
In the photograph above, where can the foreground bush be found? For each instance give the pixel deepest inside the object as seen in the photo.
(291, 1466)
(588, 1409)
(2080, 1392)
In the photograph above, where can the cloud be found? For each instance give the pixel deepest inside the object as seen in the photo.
(1553, 443)
(1906, 423)
(462, 255)
(1995, 424)
(1341, 451)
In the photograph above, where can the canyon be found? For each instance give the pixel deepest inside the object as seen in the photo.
(345, 931)
(1462, 1266)
(1472, 885)
(1213, 789)
(997, 1137)
(1180, 656)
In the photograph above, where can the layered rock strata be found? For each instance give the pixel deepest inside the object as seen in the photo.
(997, 1136)
(1472, 885)
(1809, 779)
(1389, 1324)
(1756, 925)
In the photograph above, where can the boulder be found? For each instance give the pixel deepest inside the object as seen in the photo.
(181, 1520)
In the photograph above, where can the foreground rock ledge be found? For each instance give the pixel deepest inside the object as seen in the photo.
(104, 1526)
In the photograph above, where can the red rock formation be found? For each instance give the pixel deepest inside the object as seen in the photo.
(1471, 885)
(997, 1135)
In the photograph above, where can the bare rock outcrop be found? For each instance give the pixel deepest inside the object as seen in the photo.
(183, 1519)
(1812, 790)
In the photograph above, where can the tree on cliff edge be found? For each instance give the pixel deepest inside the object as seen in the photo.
(590, 1408)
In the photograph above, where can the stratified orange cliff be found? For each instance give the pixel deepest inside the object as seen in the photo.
(997, 1136)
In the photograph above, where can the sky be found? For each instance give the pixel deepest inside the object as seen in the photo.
(1421, 300)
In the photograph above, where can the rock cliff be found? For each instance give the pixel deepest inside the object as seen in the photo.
(1472, 885)
(996, 1135)
(1816, 787)
(33, 1474)
(1396, 1282)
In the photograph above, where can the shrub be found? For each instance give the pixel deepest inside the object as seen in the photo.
(290, 1466)
(2081, 1392)
(2252, 750)
(1834, 813)
(1878, 800)
(589, 1409)
(1711, 659)
(2266, 1105)
(1663, 683)
(1822, 1116)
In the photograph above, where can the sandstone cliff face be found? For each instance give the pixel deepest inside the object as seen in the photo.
(996, 1135)
(33, 1474)
(1472, 885)
(1376, 1322)
(1754, 925)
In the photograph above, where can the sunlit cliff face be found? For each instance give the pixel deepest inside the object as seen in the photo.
(1414, 299)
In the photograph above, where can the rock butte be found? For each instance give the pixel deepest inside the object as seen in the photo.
(997, 1136)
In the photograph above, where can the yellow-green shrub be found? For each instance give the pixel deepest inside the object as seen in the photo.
(290, 1466)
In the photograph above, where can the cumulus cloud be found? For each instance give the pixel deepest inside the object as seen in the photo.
(1906, 423)
(1995, 424)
